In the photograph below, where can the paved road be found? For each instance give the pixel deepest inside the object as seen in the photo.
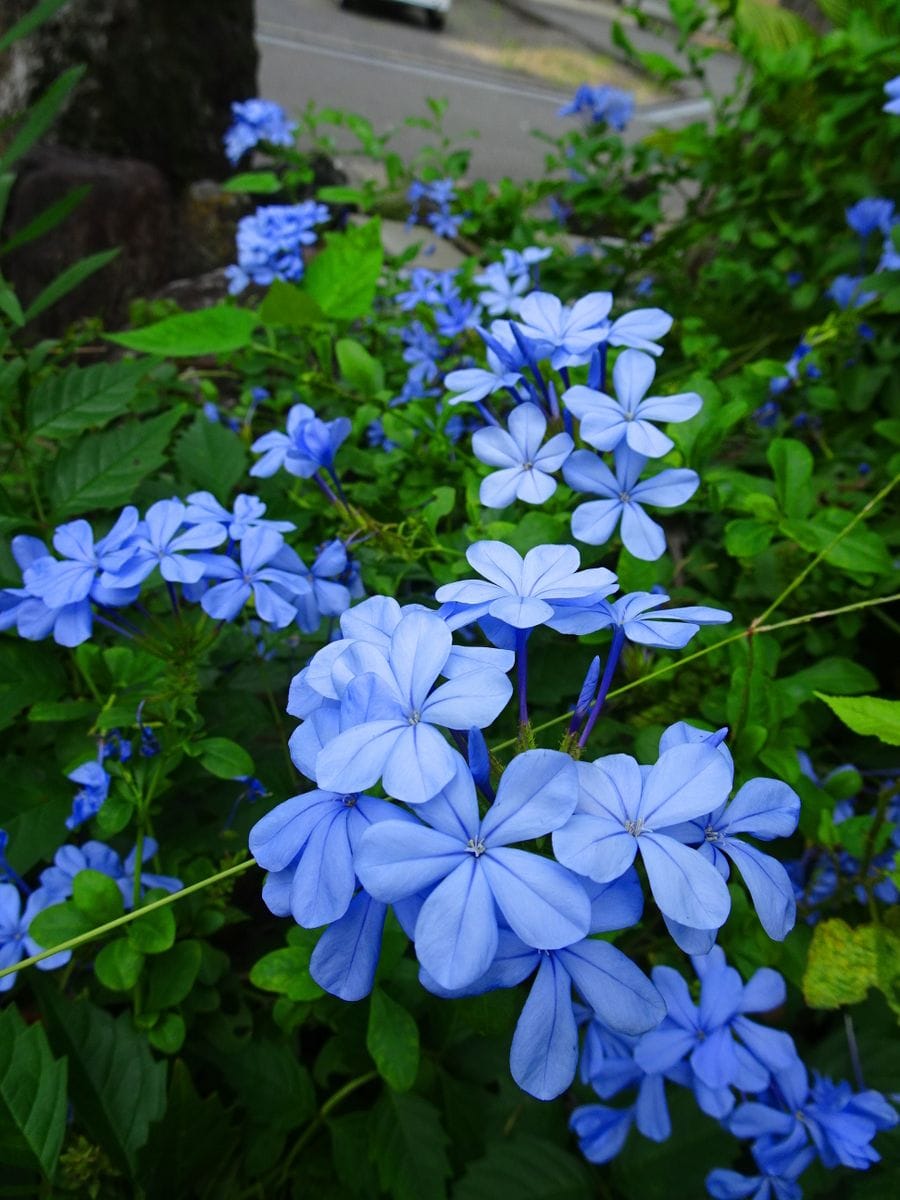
(384, 62)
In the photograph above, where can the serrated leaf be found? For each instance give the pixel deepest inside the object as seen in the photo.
(82, 398)
(116, 1086)
(409, 1146)
(103, 470)
(216, 330)
(118, 965)
(190, 1143)
(528, 1168)
(867, 715)
(32, 1096)
(835, 674)
(392, 1038)
(210, 457)
(342, 278)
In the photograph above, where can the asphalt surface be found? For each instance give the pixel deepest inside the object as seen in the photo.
(503, 72)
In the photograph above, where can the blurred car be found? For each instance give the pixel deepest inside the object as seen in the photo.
(435, 10)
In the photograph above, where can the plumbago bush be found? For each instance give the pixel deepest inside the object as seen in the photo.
(446, 714)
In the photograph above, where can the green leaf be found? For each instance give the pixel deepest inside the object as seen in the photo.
(58, 923)
(171, 975)
(116, 1087)
(9, 304)
(153, 933)
(46, 219)
(867, 715)
(189, 1145)
(363, 372)
(223, 758)
(62, 710)
(271, 1085)
(216, 330)
(792, 463)
(256, 183)
(342, 278)
(210, 457)
(28, 674)
(859, 553)
(409, 1146)
(97, 896)
(31, 21)
(392, 1039)
(842, 965)
(33, 1100)
(40, 115)
(745, 537)
(118, 965)
(529, 1168)
(80, 398)
(167, 1035)
(285, 304)
(287, 973)
(68, 280)
(103, 470)
(840, 675)
(343, 195)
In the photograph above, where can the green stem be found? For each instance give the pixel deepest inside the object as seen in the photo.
(322, 1116)
(92, 934)
(839, 536)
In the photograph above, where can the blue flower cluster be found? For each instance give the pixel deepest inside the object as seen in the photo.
(270, 243)
(549, 336)
(713, 1048)
(56, 884)
(396, 702)
(604, 104)
(257, 121)
(92, 580)
(434, 200)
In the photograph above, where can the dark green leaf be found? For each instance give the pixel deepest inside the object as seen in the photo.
(792, 463)
(364, 373)
(287, 973)
(28, 674)
(217, 330)
(102, 470)
(210, 457)
(68, 280)
(859, 552)
(45, 220)
(32, 1096)
(153, 933)
(224, 758)
(286, 304)
(392, 1039)
(62, 710)
(172, 975)
(116, 1086)
(190, 1145)
(273, 1087)
(409, 1146)
(745, 537)
(167, 1035)
(31, 21)
(80, 398)
(528, 1168)
(58, 923)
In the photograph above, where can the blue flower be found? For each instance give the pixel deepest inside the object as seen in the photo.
(423, 289)
(309, 843)
(256, 575)
(471, 875)
(257, 121)
(328, 596)
(270, 243)
(346, 955)
(159, 543)
(57, 881)
(309, 445)
(248, 513)
(520, 591)
(603, 103)
(477, 383)
(892, 91)
(871, 215)
(642, 619)
(724, 1049)
(724, 1184)
(526, 465)
(423, 352)
(90, 797)
(501, 294)
(606, 422)
(570, 335)
(623, 811)
(623, 497)
(845, 292)
(15, 941)
(457, 316)
(390, 714)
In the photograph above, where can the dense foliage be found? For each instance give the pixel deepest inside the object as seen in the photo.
(529, 622)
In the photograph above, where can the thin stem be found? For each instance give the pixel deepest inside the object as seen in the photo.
(138, 863)
(853, 1049)
(522, 673)
(603, 350)
(92, 934)
(326, 490)
(322, 1116)
(839, 536)
(612, 661)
